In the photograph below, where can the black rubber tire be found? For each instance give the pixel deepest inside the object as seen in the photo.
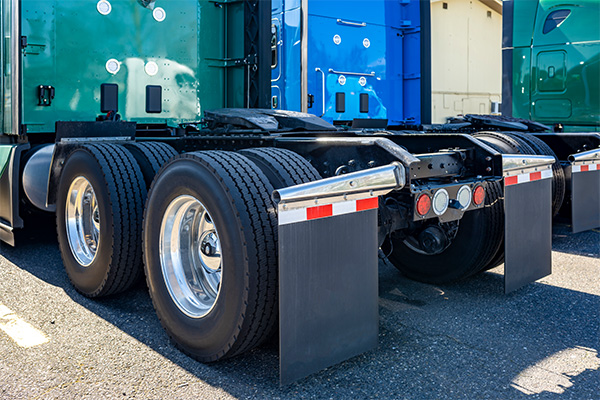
(505, 142)
(150, 156)
(120, 192)
(480, 235)
(237, 196)
(282, 167)
(558, 174)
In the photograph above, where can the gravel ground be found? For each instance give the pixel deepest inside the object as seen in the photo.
(461, 341)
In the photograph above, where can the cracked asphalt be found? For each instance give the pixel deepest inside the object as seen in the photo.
(461, 341)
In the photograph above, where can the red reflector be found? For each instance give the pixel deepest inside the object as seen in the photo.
(479, 195)
(585, 168)
(367, 204)
(423, 204)
(510, 180)
(319, 212)
(535, 176)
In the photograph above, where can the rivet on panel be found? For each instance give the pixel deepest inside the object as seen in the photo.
(104, 7)
(159, 14)
(151, 68)
(113, 66)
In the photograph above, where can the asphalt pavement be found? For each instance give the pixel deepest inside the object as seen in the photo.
(460, 341)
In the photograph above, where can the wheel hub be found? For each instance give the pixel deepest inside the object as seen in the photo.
(82, 221)
(190, 255)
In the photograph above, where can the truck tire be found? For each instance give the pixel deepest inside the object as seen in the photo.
(213, 276)
(479, 237)
(282, 167)
(99, 214)
(558, 174)
(150, 156)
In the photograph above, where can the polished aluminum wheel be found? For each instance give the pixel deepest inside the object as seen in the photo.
(190, 256)
(83, 221)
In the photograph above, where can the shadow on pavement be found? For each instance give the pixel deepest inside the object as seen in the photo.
(453, 341)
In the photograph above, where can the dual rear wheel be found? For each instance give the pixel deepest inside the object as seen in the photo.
(208, 230)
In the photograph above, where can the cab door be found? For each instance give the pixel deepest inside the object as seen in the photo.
(565, 63)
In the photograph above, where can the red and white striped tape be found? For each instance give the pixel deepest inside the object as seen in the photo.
(329, 210)
(585, 168)
(530, 177)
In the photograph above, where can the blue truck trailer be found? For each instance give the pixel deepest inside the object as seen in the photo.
(368, 64)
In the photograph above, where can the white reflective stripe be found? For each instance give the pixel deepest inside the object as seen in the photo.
(524, 178)
(319, 211)
(291, 216)
(585, 168)
(547, 173)
(20, 331)
(345, 207)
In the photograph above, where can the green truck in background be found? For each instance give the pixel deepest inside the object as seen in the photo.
(551, 63)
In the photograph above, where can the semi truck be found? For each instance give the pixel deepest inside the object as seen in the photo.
(370, 65)
(146, 128)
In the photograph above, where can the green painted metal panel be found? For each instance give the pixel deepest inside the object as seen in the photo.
(5, 151)
(521, 96)
(562, 80)
(70, 43)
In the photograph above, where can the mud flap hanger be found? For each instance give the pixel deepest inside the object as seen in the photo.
(584, 173)
(528, 219)
(328, 275)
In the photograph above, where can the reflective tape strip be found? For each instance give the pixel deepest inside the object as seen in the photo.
(530, 177)
(329, 210)
(585, 168)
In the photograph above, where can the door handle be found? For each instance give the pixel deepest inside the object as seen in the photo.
(323, 91)
(358, 24)
(351, 73)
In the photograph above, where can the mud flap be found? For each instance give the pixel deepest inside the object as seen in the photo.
(528, 226)
(585, 190)
(585, 201)
(328, 269)
(328, 292)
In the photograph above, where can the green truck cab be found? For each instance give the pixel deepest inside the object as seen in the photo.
(551, 57)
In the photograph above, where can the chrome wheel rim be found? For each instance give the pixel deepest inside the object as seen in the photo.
(190, 256)
(83, 221)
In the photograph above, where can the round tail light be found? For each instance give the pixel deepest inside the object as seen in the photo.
(423, 204)
(440, 201)
(464, 197)
(478, 195)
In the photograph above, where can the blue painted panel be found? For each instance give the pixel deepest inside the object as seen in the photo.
(388, 46)
(380, 12)
(348, 55)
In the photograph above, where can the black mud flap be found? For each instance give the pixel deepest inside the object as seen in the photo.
(528, 229)
(328, 291)
(585, 197)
